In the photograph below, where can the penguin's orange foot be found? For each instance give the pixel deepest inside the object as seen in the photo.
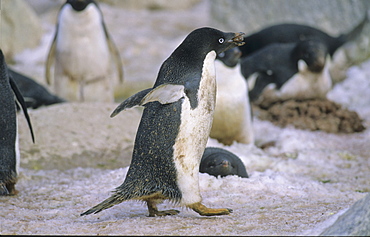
(153, 213)
(153, 210)
(205, 211)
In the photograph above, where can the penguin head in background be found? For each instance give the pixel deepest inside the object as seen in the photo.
(230, 57)
(79, 5)
(219, 162)
(313, 52)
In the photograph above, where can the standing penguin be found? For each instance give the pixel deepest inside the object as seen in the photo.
(174, 127)
(232, 120)
(84, 55)
(9, 149)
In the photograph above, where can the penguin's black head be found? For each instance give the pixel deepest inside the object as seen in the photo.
(313, 52)
(208, 39)
(79, 5)
(217, 165)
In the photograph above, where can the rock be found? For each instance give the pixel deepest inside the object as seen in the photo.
(354, 222)
(70, 135)
(20, 27)
(313, 114)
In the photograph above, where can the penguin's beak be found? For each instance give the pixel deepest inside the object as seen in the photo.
(238, 39)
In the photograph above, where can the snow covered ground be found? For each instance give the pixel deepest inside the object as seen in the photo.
(297, 187)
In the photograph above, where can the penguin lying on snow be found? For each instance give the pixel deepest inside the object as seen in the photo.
(296, 71)
(9, 150)
(84, 54)
(291, 33)
(174, 127)
(232, 120)
(220, 162)
(294, 33)
(35, 95)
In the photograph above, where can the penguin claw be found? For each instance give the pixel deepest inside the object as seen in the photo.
(3, 190)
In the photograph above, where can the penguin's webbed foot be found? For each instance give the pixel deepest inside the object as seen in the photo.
(205, 211)
(153, 210)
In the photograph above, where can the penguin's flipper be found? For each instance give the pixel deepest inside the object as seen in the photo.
(50, 58)
(134, 100)
(117, 58)
(20, 99)
(165, 94)
(355, 32)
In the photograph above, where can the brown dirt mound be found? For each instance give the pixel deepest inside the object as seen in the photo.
(313, 114)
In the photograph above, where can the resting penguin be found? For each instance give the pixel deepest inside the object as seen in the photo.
(290, 33)
(232, 120)
(292, 71)
(174, 127)
(220, 162)
(35, 95)
(9, 149)
(84, 55)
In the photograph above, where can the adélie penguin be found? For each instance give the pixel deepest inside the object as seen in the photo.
(174, 127)
(232, 120)
(9, 148)
(87, 62)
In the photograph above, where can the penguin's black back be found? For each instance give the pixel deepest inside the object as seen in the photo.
(35, 94)
(287, 33)
(8, 123)
(152, 167)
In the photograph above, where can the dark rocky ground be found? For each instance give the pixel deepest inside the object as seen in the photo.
(313, 114)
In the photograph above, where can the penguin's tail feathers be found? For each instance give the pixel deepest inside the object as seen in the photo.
(356, 31)
(108, 203)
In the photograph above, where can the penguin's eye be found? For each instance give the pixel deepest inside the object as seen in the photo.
(221, 40)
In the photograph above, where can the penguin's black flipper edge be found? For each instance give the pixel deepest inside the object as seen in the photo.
(164, 94)
(130, 102)
(20, 99)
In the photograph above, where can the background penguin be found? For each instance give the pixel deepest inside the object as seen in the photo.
(35, 95)
(84, 55)
(220, 162)
(293, 33)
(174, 127)
(294, 71)
(232, 120)
(9, 149)
(290, 33)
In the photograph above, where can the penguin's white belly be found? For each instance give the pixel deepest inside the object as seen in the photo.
(81, 45)
(232, 119)
(303, 85)
(193, 134)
